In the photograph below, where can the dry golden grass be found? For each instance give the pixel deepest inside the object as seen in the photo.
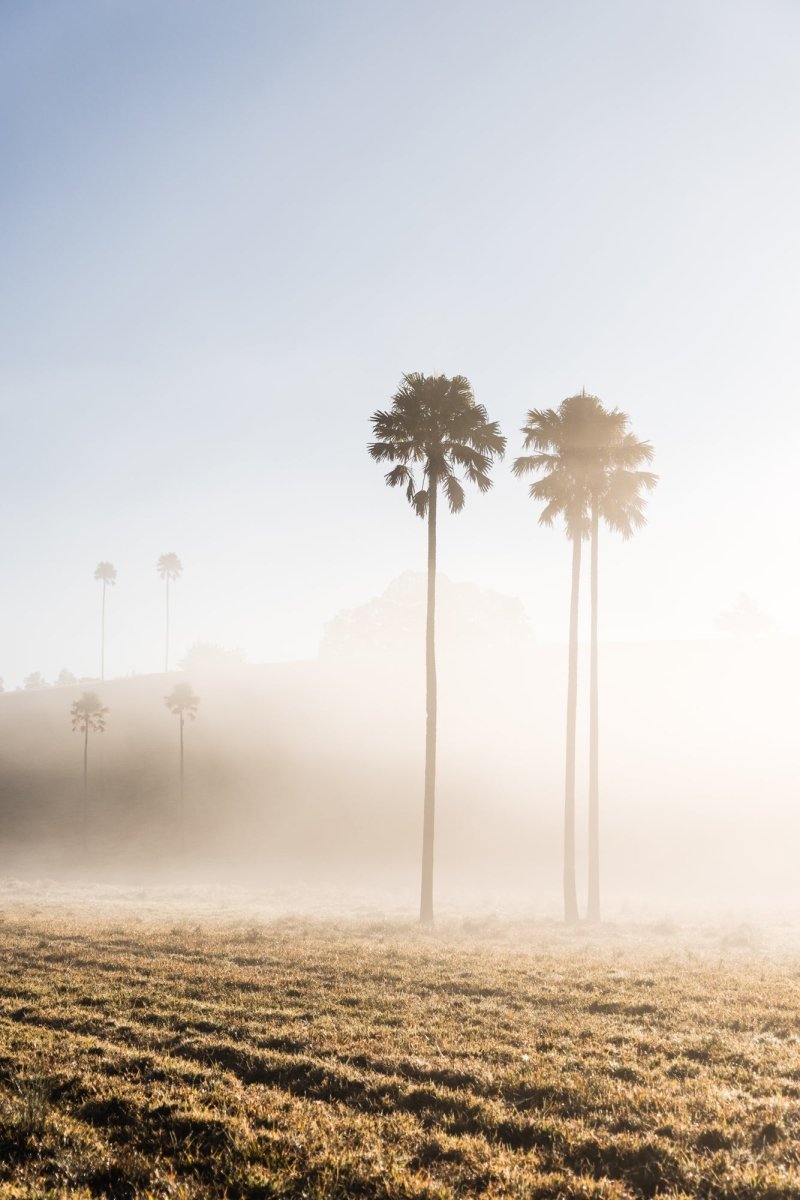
(291, 1058)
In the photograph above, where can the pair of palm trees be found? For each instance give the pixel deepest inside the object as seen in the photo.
(89, 716)
(169, 568)
(588, 467)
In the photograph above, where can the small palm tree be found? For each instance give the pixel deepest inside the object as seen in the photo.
(564, 443)
(106, 572)
(434, 428)
(169, 568)
(88, 715)
(182, 702)
(617, 488)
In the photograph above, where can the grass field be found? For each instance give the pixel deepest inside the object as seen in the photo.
(298, 1058)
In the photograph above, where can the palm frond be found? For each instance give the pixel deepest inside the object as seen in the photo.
(399, 475)
(454, 492)
(419, 503)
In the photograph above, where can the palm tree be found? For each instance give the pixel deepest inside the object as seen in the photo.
(563, 441)
(88, 715)
(434, 428)
(183, 702)
(106, 572)
(616, 497)
(169, 568)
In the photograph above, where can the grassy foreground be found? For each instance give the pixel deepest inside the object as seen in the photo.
(303, 1059)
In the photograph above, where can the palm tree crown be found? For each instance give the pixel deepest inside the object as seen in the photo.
(182, 701)
(106, 572)
(585, 453)
(564, 441)
(88, 713)
(436, 427)
(169, 567)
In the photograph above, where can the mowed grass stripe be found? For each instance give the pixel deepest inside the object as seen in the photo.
(280, 1060)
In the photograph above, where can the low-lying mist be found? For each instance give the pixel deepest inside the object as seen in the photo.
(309, 775)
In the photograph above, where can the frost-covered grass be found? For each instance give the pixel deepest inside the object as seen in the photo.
(293, 1057)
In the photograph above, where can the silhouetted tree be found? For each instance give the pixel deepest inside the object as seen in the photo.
(436, 428)
(616, 497)
(34, 681)
(564, 445)
(106, 572)
(169, 568)
(65, 678)
(388, 627)
(183, 702)
(745, 619)
(88, 715)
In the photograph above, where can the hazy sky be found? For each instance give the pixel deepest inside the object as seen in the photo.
(227, 229)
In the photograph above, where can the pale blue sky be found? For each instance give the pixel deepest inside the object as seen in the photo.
(227, 229)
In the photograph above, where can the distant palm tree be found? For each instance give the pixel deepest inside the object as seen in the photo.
(88, 714)
(564, 444)
(183, 702)
(616, 497)
(169, 568)
(434, 427)
(107, 573)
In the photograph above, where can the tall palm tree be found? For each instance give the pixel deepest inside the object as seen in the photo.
(106, 572)
(563, 442)
(617, 490)
(182, 702)
(88, 715)
(434, 430)
(169, 568)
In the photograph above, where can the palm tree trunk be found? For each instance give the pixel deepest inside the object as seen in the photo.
(182, 813)
(103, 635)
(593, 912)
(166, 634)
(426, 896)
(570, 895)
(85, 813)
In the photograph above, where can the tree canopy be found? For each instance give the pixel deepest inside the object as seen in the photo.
(436, 433)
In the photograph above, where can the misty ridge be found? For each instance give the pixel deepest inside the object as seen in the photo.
(308, 774)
